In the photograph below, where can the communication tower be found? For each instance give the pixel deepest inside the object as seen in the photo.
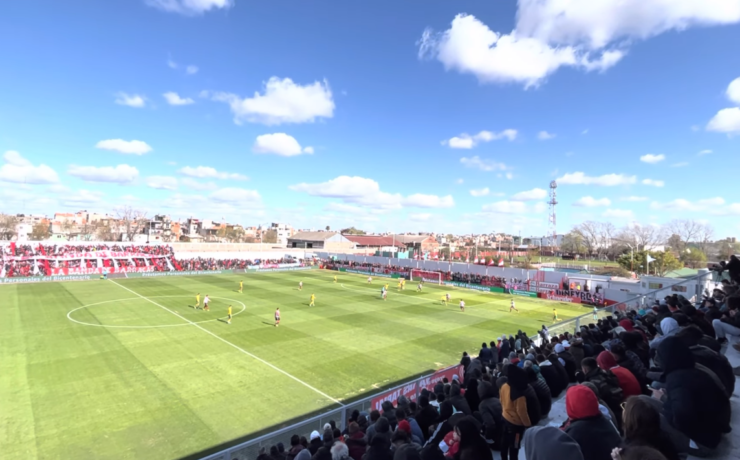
(552, 224)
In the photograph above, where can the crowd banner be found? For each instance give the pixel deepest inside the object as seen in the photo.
(185, 273)
(412, 389)
(476, 287)
(553, 295)
(63, 271)
(285, 269)
(541, 286)
(46, 279)
(521, 293)
(102, 254)
(582, 296)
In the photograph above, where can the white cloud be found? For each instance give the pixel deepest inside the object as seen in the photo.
(653, 182)
(170, 63)
(509, 175)
(190, 7)
(466, 141)
(420, 200)
(549, 34)
(680, 164)
(530, 195)
(345, 208)
(206, 172)
(513, 207)
(733, 91)
(725, 121)
(132, 147)
(681, 204)
(130, 100)
(704, 152)
(460, 181)
(366, 192)
(19, 170)
(191, 69)
(634, 198)
(591, 202)
(480, 192)
(162, 182)
(544, 136)
(121, 174)
(192, 184)
(282, 102)
(652, 159)
(238, 196)
(279, 144)
(483, 165)
(175, 99)
(618, 213)
(81, 198)
(607, 180)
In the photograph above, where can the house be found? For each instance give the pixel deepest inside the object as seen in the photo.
(419, 243)
(374, 243)
(283, 231)
(319, 240)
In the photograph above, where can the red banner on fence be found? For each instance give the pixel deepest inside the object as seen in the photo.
(412, 389)
(99, 271)
(551, 295)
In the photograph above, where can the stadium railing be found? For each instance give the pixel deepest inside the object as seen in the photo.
(249, 450)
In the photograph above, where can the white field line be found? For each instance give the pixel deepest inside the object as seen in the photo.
(231, 344)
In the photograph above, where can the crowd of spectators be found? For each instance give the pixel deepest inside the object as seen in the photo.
(27, 250)
(649, 384)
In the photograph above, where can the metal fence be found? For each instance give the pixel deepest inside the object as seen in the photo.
(249, 450)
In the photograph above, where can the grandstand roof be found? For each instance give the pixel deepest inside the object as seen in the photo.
(372, 240)
(312, 236)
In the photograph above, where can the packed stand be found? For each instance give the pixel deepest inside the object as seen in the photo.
(648, 384)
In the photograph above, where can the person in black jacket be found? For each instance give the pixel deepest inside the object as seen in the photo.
(426, 416)
(540, 388)
(562, 373)
(521, 409)
(491, 413)
(552, 376)
(607, 384)
(458, 401)
(494, 355)
(465, 360)
(505, 349)
(708, 358)
(471, 394)
(587, 426)
(485, 355)
(693, 403)
(570, 362)
(472, 446)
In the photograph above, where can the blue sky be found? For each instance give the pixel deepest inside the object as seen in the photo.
(403, 116)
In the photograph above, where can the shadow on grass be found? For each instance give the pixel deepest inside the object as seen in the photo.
(348, 402)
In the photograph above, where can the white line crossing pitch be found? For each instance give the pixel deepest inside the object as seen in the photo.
(230, 344)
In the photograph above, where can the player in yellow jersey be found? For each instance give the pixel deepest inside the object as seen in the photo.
(554, 315)
(386, 287)
(403, 284)
(241, 287)
(335, 278)
(313, 301)
(400, 285)
(228, 319)
(197, 300)
(443, 299)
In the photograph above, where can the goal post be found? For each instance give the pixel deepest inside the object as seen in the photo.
(426, 276)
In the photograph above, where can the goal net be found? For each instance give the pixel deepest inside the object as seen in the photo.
(427, 277)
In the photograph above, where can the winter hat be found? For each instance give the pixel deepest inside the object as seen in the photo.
(405, 426)
(606, 360)
(327, 426)
(353, 428)
(566, 344)
(456, 378)
(530, 357)
(548, 442)
(382, 425)
(314, 435)
(580, 402)
(559, 348)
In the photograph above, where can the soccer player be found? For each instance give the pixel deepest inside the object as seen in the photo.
(277, 317)
(400, 284)
(513, 306)
(596, 314)
(554, 315)
(369, 279)
(206, 300)
(241, 287)
(403, 284)
(312, 302)
(462, 305)
(335, 278)
(385, 294)
(443, 300)
(447, 297)
(228, 319)
(197, 300)
(418, 288)
(386, 287)
(300, 285)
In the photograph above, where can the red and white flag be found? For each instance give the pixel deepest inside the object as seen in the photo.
(475, 261)
(491, 263)
(501, 262)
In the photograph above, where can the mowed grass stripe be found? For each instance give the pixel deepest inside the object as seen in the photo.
(167, 392)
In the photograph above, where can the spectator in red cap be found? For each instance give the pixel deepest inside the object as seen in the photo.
(627, 381)
(587, 426)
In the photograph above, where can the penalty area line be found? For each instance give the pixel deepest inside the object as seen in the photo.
(231, 344)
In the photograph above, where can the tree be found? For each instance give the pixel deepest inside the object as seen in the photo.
(7, 226)
(727, 249)
(643, 236)
(328, 228)
(687, 230)
(675, 242)
(270, 236)
(352, 231)
(103, 231)
(40, 232)
(664, 262)
(704, 237)
(132, 221)
(694, 257)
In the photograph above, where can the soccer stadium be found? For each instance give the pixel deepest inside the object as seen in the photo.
(380, 230)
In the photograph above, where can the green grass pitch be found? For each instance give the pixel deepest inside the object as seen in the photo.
(93, 370)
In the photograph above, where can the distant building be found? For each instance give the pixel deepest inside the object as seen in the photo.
(373, 243)
(284, 231)
(319, 240)
(419, 243)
